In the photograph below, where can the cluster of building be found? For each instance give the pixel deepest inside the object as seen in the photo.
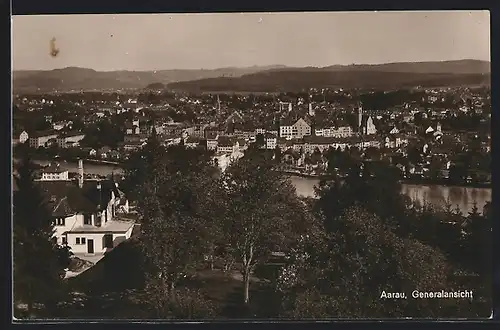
(48, 138)
(298, 125)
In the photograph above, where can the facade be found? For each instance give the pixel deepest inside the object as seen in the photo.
(132, 129)
(394, 130)
(226, 145)
(84, 214)
(40, 139)
(19, 137)
(70, 139)
(212, 140)
(192, 142)
(23, 137)
(260, 131)
(271, 141)
(199, 131)
(54, 173)
(295, 130)
(135, 145)
(341, 131)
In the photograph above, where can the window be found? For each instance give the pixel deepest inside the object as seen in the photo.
(108, 241)
(87, 219)
(80, 240)
(65, 240)
(60, 221)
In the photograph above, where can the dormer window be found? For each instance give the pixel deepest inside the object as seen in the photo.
(87, 219)
(60, 222)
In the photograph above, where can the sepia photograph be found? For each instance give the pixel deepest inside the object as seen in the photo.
(251, 166)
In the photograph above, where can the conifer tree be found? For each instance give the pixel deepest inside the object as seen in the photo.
(38, 270)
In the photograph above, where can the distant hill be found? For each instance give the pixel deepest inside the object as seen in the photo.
(262, 78)
(380, 76)
(158, 86)
(454, 67)
(74, 78)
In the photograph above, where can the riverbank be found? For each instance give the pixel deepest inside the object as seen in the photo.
(296, 173)
(103, 162)
(444, 182)
(409, 181)
(305, 175)
(438, 194)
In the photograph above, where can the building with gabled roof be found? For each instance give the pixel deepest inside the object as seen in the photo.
(54, 172)
(41, 138)
(86, 214)
(292, 128)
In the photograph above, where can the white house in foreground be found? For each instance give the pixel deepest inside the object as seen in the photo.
(86, 214)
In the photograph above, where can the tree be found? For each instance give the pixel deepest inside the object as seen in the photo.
(178, 203)
(359, 262)
(260, 141)
(435, 167)
(278, 156)
(38, 261)
(170, 252)
(478, 230)
(262, 210)
(374, 185)
(142, 164)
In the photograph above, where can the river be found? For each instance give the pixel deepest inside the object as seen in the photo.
(437, 195)
(464, 197)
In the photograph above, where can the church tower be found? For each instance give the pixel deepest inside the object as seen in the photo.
(311, 110)
(360, 117)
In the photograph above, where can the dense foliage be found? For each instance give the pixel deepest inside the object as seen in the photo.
(38, 261)
(242, 244)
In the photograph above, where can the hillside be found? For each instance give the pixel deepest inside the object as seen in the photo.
(380, 76)
(455, 67)
(261, 78)
(74, 78)
(298, 80)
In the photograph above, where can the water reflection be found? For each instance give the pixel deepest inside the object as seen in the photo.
(437, 195)
(463, 197)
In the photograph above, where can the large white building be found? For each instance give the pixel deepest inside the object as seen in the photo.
(70, 139)
(271, 141)
(342, 131)
(85, 214)
(295, 129)
(227, 145)
(40, 139)
(54, 172)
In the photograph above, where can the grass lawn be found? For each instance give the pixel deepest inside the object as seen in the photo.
(110, 284)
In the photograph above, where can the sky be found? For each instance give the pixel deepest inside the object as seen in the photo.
(208, 41)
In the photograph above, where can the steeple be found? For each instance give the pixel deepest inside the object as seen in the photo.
(360, 115)
(311, 110)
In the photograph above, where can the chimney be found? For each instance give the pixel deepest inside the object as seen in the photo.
(80, 173)
(100, 195)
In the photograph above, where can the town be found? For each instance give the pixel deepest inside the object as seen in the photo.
(251, 191)
(439, 135)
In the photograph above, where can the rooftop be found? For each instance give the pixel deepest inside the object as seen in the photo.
(53, 168)
(115, 226)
